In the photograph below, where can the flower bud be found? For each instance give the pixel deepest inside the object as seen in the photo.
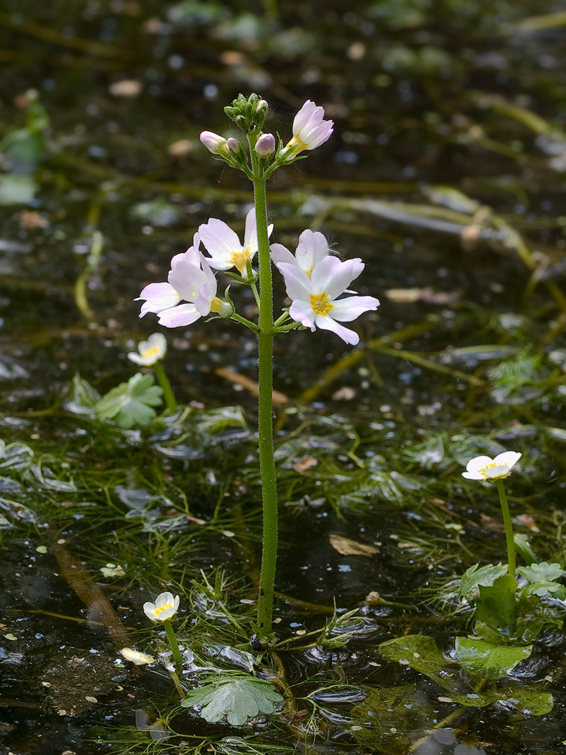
(265, 145)
(214, 143)
(233, 144)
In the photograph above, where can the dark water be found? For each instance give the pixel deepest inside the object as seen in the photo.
(446, 174)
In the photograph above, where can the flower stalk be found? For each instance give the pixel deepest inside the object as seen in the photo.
(265, 405)
(508, 526)
(173, 642)
(163, 381)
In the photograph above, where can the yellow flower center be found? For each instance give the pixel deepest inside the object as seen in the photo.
(163, 607)
(296, 144)
(240, 259)
(151, 351)
(216, 304)
(320, 304)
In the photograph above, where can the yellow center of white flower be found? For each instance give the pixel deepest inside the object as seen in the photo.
(296, 144)
(151, 351)
(240, 259)
(163, 607)
(216, 304)
(320, 304)
(493, 464)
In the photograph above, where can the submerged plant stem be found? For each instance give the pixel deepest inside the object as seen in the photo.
(265, 411)
(163, 381)
(508, 526)
(173, 642)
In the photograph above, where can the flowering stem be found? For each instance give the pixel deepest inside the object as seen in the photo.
(173, 642)
(163, 381)
(508, 526)
(265, 407)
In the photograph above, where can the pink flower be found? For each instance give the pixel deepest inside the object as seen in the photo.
(310, 130)
(190, 280)
(224, 246)
(315, 303)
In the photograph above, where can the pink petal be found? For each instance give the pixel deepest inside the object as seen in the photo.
(220, 241)
(301, 311)
(296, 282)
(303, 116)
(176, 317)
(158, 296)
(187, 279)
(279, 254)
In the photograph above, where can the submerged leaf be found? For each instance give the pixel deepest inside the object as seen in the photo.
(421, 653)
(347, 547)
(131, 403)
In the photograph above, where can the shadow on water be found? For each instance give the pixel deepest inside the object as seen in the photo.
(446, 175)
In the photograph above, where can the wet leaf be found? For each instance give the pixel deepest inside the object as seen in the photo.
(132, 402)
(477, 576)
(237, 699)
(528, 700)
(484, 660)
(347, 547)
(497, 605)
(420, 653)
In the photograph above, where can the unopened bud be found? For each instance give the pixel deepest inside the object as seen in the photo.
(265, 145)
(214, 143)
(233, 144)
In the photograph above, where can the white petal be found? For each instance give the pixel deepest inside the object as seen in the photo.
(327, 323)
(186, 279)
(301, 311)
(303, 116)
(280, 253)
(346, 310)
(510, 458)
(472, 475)
(479, 462)
(179, 316)
(296, 282)
(496, 473)
(158, 296)
(311, 249)
(220, 241)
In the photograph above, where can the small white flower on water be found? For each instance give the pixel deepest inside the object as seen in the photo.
(166, 605)
(311, 249)
(224, 246)
(310, 130)
(151, 351)
(485, 468)
(140, 659)
(315, 303)
(190, 280)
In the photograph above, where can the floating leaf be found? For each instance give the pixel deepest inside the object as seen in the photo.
(236, 698)
(131, 403)
(543, 572)
(485, 660)
(421, 653)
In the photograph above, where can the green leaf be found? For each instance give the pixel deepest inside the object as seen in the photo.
(420, 653)
(544, 588)
(543, 572)
(526, 699)
(485, 660)
(217, 420)
(131, 403)
(483, 576)
(236, 698)
(497, 605)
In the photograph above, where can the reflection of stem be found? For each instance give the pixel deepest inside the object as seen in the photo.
(173, 642)
(163, 381)
(93, 261)
(508, 526)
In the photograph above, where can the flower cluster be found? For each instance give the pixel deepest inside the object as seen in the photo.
(315, 279)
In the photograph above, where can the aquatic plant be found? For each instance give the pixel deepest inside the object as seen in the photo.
(165, 607)
(314, 278)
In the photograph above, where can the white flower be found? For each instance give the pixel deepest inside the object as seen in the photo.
(224, 247)
(190, 280)
(315, 302)
(311, 249)
(213, 142)
(150, 351)
(140, 659)
(164, 608)
(309, 129)
(485, 468)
